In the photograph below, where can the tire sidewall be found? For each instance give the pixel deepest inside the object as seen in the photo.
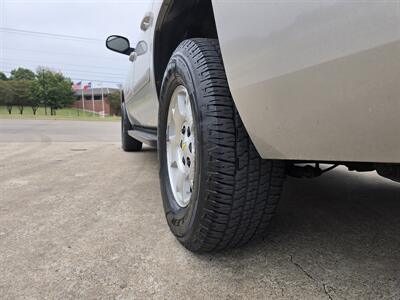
(183, 222)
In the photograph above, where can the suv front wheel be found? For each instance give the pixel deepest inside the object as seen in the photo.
(217, 191)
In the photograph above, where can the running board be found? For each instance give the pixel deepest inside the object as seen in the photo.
(144, 135)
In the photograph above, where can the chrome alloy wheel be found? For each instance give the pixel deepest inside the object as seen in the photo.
(181, 146)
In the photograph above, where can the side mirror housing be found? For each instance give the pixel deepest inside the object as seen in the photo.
(119, 44)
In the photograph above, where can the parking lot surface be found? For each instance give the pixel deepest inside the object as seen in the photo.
(81, 219)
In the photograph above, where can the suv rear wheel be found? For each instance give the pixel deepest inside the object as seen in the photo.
(129, 144)
(217, 191)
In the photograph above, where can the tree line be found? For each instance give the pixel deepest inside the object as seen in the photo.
(45, 88)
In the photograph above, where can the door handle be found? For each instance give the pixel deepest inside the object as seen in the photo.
(147, 21)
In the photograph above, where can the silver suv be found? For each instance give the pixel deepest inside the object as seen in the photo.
(238, 94)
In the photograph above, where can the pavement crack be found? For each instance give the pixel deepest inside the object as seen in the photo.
(325, 287)
(326, 291)
(302, 269)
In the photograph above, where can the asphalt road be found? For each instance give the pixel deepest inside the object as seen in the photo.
(79, 218)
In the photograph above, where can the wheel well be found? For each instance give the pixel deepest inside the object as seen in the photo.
(180, 20)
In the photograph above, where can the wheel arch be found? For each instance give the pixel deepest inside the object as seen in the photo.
(177, 21)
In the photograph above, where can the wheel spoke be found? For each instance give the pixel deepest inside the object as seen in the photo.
(191, 171)
(180, 146)
(172, 135)
(179, 111)
(180, 181)
(189, 116)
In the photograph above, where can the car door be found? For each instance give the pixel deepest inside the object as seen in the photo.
(141, 101)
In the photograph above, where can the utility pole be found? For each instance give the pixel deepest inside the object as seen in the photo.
(91, 85)
(45, 93)
(83, 100)
(102, 99)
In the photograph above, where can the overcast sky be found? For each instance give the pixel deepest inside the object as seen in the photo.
(86, 60)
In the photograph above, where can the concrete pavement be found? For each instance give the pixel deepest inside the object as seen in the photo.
(80, 219)
(58, 131)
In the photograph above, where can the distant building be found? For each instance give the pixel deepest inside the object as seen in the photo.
(87, 104)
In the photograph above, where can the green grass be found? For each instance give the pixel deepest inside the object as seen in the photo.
(62, 114)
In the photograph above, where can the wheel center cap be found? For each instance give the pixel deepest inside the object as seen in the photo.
(184, 146)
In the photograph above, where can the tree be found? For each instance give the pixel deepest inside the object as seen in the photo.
(34, 96)
(22, 74)
(3, 77)
(21, 91)
(115, 102)
(6, 95)
(52, 89)
(3, 92)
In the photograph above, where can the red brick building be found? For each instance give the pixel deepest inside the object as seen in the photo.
(92, 100)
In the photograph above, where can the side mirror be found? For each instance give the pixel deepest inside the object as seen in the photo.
(119, 44)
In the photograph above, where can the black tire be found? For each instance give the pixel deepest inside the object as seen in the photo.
(129, 144)
(235, 192)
